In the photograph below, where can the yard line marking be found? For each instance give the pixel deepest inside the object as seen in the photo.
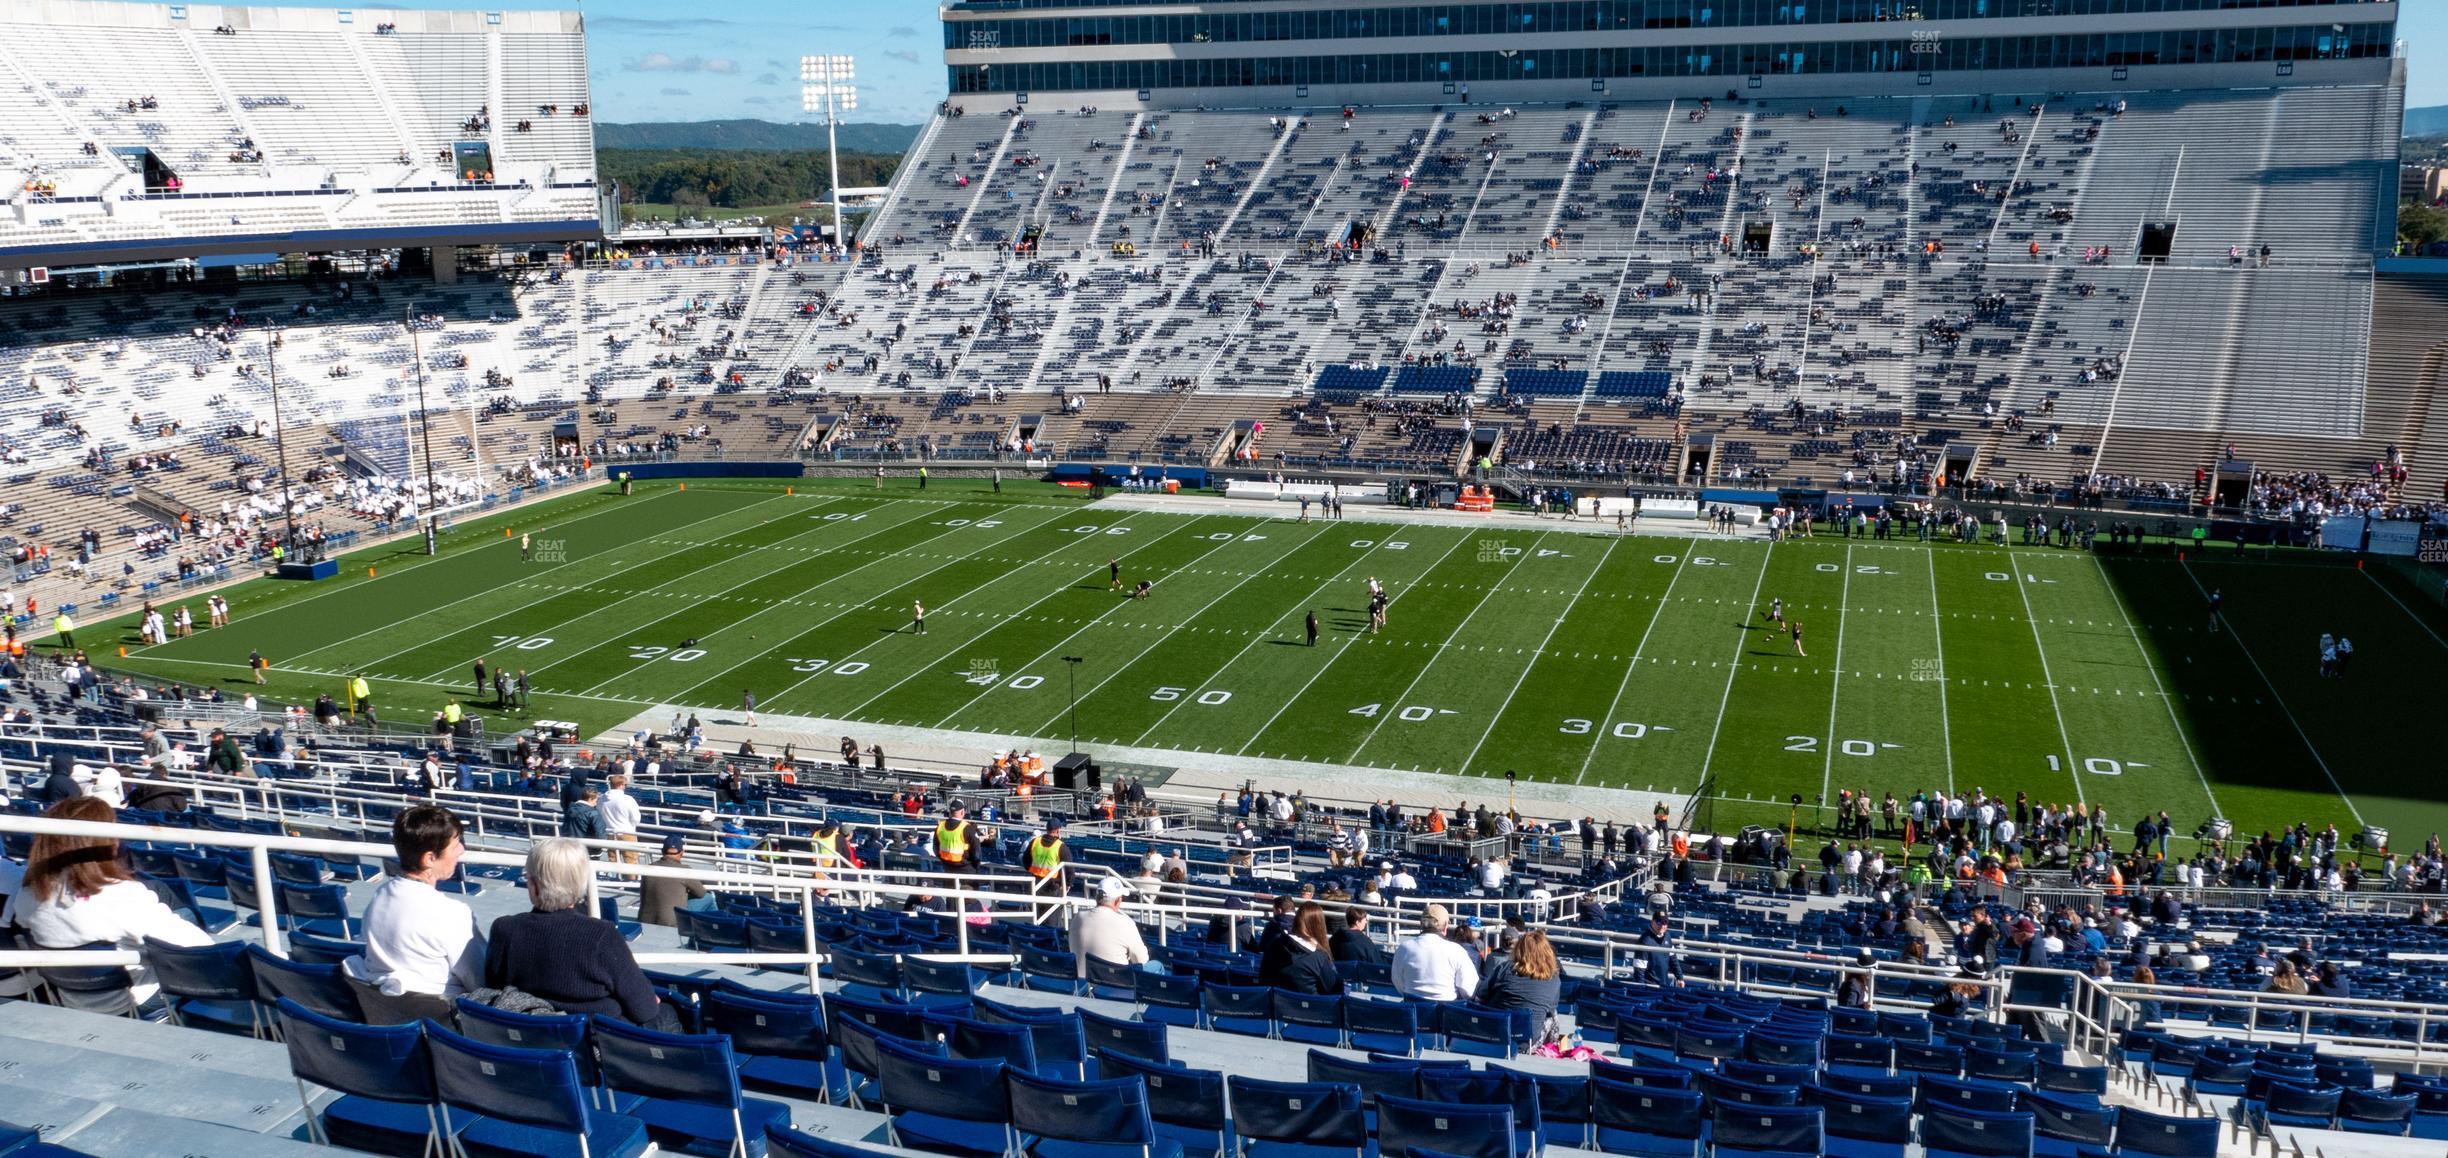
(2255, 661)
(1450, 636)
(2152, 667)
(1330, 581)
(2401, 606)
(1946, 737)
(1152, 644)
(2021, 580)
(1490, 730)
(1031, 529)
(1000, 619)
(1624, 685)
(1827, 776)
(1727, 697)
(439, 558)
(801, 598)
(690, 600)
(371, 664)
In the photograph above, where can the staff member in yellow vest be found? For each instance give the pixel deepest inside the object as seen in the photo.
(446, 723)
(1045, 855)
(65, 629)
(361, 694)
(955, 839)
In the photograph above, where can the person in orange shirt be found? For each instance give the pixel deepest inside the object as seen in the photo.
(1436, 820)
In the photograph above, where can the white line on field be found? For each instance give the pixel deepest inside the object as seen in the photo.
(1501, 708)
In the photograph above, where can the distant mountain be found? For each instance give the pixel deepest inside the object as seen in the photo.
(750, 134)
(2426, 122)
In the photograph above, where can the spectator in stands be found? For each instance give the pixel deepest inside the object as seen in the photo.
(422, 948)
(1104, 933)
(582, 820)
(1298, 960)
(61, 786)
(576, 961)
(1526, 977)
(620, 815)
(2284, 979)
(78, 891)
(659, 897)
(1352, 942)
(1429, 967)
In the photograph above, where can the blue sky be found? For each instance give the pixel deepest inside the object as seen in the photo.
(740, 58)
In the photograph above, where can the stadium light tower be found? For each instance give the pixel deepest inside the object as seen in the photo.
(280, 439)
(825, 86)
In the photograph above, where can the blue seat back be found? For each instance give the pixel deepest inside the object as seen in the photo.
(1170, 991)
(2296, 1105)
(388, 1063)
(910, 1079)
(2143, 1132)
(2066, 1079)
(902, 1021)
(317, 987)
(1308, 1113)
(1751, 1129)
(1112, 1111)
(1453, 1128)
(1399, 1078)
(1947, 1131)
(2074, 1119)
(939, 977)
(216, 972)
(1653, 1110)
(1176, 1095)
(697, 1068)
(1141, 1039)
(973, 1040)
(1861, 1116)
(533, 1087)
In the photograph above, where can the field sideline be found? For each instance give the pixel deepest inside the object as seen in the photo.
(1642, 662)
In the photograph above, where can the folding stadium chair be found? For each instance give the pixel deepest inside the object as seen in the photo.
(320, 988)
(1048, 970)
(529, 1099)
(208, 986)
(943, 1104)
(1965, 1094)
(1170, 1000)
(1246, 1009)
(1940, 1060)
(1062, 1049)
(2142, 1132)
(566, 1031)
(783, 1046)
(1861, 1126)
(1489, 1087)
(1647, 1121)
(2069, 1125)
(870, 975)
(1947, 1132)
(1396, 1076)
(1295, 1113)
(2057, 1077)
(861, 1057)
(1450, 1128)
(1382, 1026)
(1113, 982)
(1766, 1131)
(968, 1039)
(1477, 1031)
(2001, 1065)
(1075, 1119)
(1563, 1104)
(1312, 1018)
(1187, 1104)
(1868, 1053)
(1139, 1039)
(1710, 1041)
(310, 949)
(1722, 1090)
(688, 1088)
(2373, 1112)
(385, 1077)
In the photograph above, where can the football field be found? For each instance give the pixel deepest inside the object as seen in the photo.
(1643, 662)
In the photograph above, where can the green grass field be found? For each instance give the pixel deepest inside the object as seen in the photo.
(1639, 662)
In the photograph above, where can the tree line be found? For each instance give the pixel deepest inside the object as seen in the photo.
(735, 179)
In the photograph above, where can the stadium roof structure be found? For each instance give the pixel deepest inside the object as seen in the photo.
(136, 132)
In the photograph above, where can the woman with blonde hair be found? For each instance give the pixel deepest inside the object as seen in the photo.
(78, 892)
(1526, 978)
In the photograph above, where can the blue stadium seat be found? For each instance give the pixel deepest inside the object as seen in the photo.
(969, 1039)
(1647, 1121)
(317, 987)
(1187, 1104)
(1170, 1000)
(1282, 1116)
(1081, 1119)
(784, 1047)
(943, 1104)
(1494, 1086)
(208, 986)
(1382, 1026)
(1862, 1126)
(1248, 1009)
(1948, 1132)
(530, 1101)
(1452, 1128)
(1312, 1018)
(2142, 1132)
(2373, 1112)
(688, 1088)
(1766, 1131)
(385, 1077)
(1139, 1039)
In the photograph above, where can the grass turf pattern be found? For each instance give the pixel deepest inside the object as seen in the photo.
(1643, 662)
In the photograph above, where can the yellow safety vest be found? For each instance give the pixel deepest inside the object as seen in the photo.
(358, 689)
(952, 841)
(1044, 857)
(450, 714)
(828, 849)
(62, 624)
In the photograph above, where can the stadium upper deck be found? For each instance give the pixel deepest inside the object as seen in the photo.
(135, 132)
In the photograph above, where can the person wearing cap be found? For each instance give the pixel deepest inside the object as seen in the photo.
(1104, 933)
(1044, 856)
(955, 839)
(660, 896)
(224, 756)
(1429, 967)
